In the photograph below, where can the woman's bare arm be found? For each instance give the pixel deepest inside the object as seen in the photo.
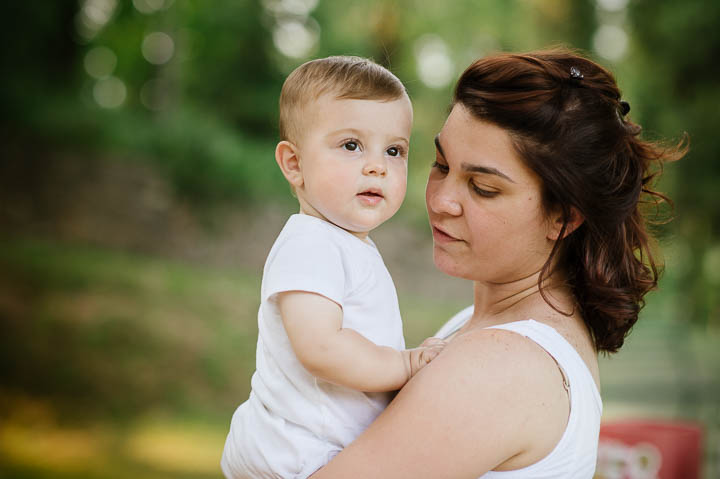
(489, 400)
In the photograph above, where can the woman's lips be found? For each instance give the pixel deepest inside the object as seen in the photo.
(441, 236)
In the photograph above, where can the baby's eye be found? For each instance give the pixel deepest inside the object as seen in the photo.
(394, 151)
(350, 145)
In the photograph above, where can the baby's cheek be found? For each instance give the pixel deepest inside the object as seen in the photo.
(399, 187)
(400, 167)
(330, 185)
(399, 172)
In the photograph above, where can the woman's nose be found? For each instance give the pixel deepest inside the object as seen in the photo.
(441, 200)
(375, 166)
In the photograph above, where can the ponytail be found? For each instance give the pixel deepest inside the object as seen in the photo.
(569, 124)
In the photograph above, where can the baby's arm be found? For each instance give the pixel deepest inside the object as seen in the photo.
(344, 356)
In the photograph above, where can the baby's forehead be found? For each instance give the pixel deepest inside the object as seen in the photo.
(315, 113)
(341, 77)
(325, 97)
(326, 101)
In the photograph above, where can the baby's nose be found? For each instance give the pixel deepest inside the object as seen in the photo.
(375, 166)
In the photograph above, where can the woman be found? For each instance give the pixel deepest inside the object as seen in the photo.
(534, 196)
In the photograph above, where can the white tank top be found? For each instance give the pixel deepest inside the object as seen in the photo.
(575, 455)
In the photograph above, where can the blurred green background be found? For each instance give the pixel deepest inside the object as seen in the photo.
(139, 197)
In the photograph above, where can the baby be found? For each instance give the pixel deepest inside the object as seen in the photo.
(330, 347)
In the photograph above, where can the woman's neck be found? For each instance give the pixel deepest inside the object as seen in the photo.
(495, 303)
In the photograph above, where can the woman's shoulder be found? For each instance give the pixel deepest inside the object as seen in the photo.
(483, 403)
(501, 348)
(507, 372)
(497, 382)
(497, 351)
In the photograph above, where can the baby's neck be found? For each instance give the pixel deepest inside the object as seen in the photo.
(307, 209)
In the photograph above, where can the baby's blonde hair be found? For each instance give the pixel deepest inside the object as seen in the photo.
(346, 77)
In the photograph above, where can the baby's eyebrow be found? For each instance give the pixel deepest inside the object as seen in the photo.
(352, 131)
(356, 132)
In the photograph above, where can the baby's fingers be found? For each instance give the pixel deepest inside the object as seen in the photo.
(431, 349)
(431, 342)
(423, 354)
(428, 354)
(434, 345)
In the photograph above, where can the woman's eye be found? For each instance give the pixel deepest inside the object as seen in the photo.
(350, 145)
(440, 166)
(393, 151)
(482, 192)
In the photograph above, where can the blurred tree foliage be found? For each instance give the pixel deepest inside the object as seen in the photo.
(207, 117)
(677, 87)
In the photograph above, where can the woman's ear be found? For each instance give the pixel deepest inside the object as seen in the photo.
(573, 223)
(286, 156)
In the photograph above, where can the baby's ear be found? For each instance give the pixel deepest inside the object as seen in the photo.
(573, 222)
(286, 155)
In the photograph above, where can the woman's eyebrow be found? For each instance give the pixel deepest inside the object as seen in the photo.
(437, 145)
(474, 168)
(487, 170)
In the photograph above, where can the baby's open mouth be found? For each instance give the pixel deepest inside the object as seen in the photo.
(371, 197)
(371, 193)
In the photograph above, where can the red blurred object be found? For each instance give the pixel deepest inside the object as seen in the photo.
(649, 450)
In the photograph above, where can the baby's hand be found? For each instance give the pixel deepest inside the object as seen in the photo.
(416, 359)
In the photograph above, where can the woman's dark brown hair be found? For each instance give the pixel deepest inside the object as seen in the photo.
(567, 121)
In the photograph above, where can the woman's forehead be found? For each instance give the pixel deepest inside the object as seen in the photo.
(474, 145)
(475, 142)
(463, 129)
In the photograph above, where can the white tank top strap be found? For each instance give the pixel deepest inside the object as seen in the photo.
(574, 455)
(455, 323)
(567, 358)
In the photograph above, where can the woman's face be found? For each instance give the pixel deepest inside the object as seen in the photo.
(484, 205)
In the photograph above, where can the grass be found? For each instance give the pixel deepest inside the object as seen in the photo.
(123, 365)
(117, 364)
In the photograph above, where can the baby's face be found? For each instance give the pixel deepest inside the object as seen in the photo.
(353, 155)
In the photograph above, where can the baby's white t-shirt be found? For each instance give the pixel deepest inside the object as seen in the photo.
(294, 423)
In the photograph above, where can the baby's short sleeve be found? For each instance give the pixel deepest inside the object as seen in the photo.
(306, 263)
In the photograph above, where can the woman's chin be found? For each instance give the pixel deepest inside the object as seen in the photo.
(447, 264)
